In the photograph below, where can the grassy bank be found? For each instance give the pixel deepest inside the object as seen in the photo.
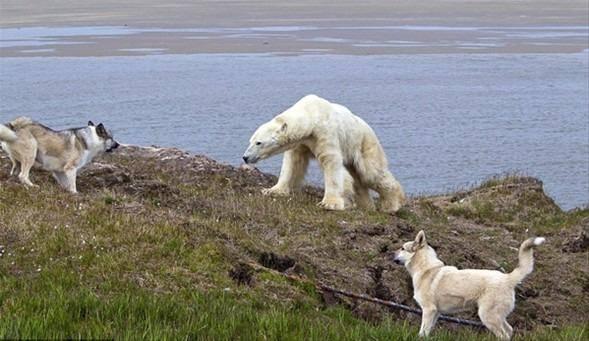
(159, 244)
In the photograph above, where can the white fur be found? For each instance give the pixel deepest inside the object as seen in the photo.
(6, 134)
(539, 241)
(445, 289)
(347, 149)
(95, 146)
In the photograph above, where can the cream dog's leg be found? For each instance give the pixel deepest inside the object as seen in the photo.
(494, 322)
(429, 317)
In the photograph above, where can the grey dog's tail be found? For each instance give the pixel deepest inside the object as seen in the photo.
(526, 259)
(7, 134)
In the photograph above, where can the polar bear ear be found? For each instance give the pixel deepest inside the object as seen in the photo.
(284, 127)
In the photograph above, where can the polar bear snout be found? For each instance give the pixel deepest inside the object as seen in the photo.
(255, 153)
(247, 159)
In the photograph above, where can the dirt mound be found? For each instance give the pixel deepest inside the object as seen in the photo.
(218, 209)
(579, 242)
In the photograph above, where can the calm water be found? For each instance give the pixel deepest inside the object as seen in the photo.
(445, 121)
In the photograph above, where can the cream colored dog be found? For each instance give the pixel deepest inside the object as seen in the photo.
(445, 289)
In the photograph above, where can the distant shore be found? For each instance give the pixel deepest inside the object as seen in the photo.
(105, 28)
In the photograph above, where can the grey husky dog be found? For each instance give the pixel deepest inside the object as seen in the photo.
(62, 152)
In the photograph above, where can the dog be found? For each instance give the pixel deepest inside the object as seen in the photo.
(63, 152)
(445, 289)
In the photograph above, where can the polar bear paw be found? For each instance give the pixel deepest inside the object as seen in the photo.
(332, 204)
(275, 191)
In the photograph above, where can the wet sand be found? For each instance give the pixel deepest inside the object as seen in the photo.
(293, 27)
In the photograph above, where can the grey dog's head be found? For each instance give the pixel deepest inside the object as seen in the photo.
(105, 137)
(268, 140)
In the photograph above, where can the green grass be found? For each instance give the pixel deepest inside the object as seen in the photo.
(151, 258)
(53, 305)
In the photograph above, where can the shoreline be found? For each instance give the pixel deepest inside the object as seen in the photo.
(165, 154)
(175, 152)
(304, 27)
(96, 41)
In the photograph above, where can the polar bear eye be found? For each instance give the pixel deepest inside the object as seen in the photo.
(258, 143)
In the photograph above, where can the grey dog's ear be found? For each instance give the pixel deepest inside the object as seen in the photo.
(101, 131)
(90, 124)
(419, 240)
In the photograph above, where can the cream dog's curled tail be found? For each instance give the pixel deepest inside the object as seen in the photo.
(7, 134)
(526, 259)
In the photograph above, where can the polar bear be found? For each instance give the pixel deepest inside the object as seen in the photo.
(347, 149)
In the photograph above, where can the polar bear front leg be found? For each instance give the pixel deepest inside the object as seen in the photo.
(333, 174)
(292, 173)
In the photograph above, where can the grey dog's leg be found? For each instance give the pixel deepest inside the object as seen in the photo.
(15, 166)
(26, 163)
(71, 180)
(60, 178)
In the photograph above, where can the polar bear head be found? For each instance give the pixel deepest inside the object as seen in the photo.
(268, 140)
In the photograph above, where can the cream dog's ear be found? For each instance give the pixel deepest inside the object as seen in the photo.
(419, 241)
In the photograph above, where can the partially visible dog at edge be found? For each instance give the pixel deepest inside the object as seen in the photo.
(63, 152)
(445, 289)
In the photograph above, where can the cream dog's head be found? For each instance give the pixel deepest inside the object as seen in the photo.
(409, 250)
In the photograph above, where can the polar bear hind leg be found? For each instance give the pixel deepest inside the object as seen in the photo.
(377, 177)
(361, 193)
(349, 191)
(391, 195)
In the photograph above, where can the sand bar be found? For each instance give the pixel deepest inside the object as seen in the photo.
(139, 27)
